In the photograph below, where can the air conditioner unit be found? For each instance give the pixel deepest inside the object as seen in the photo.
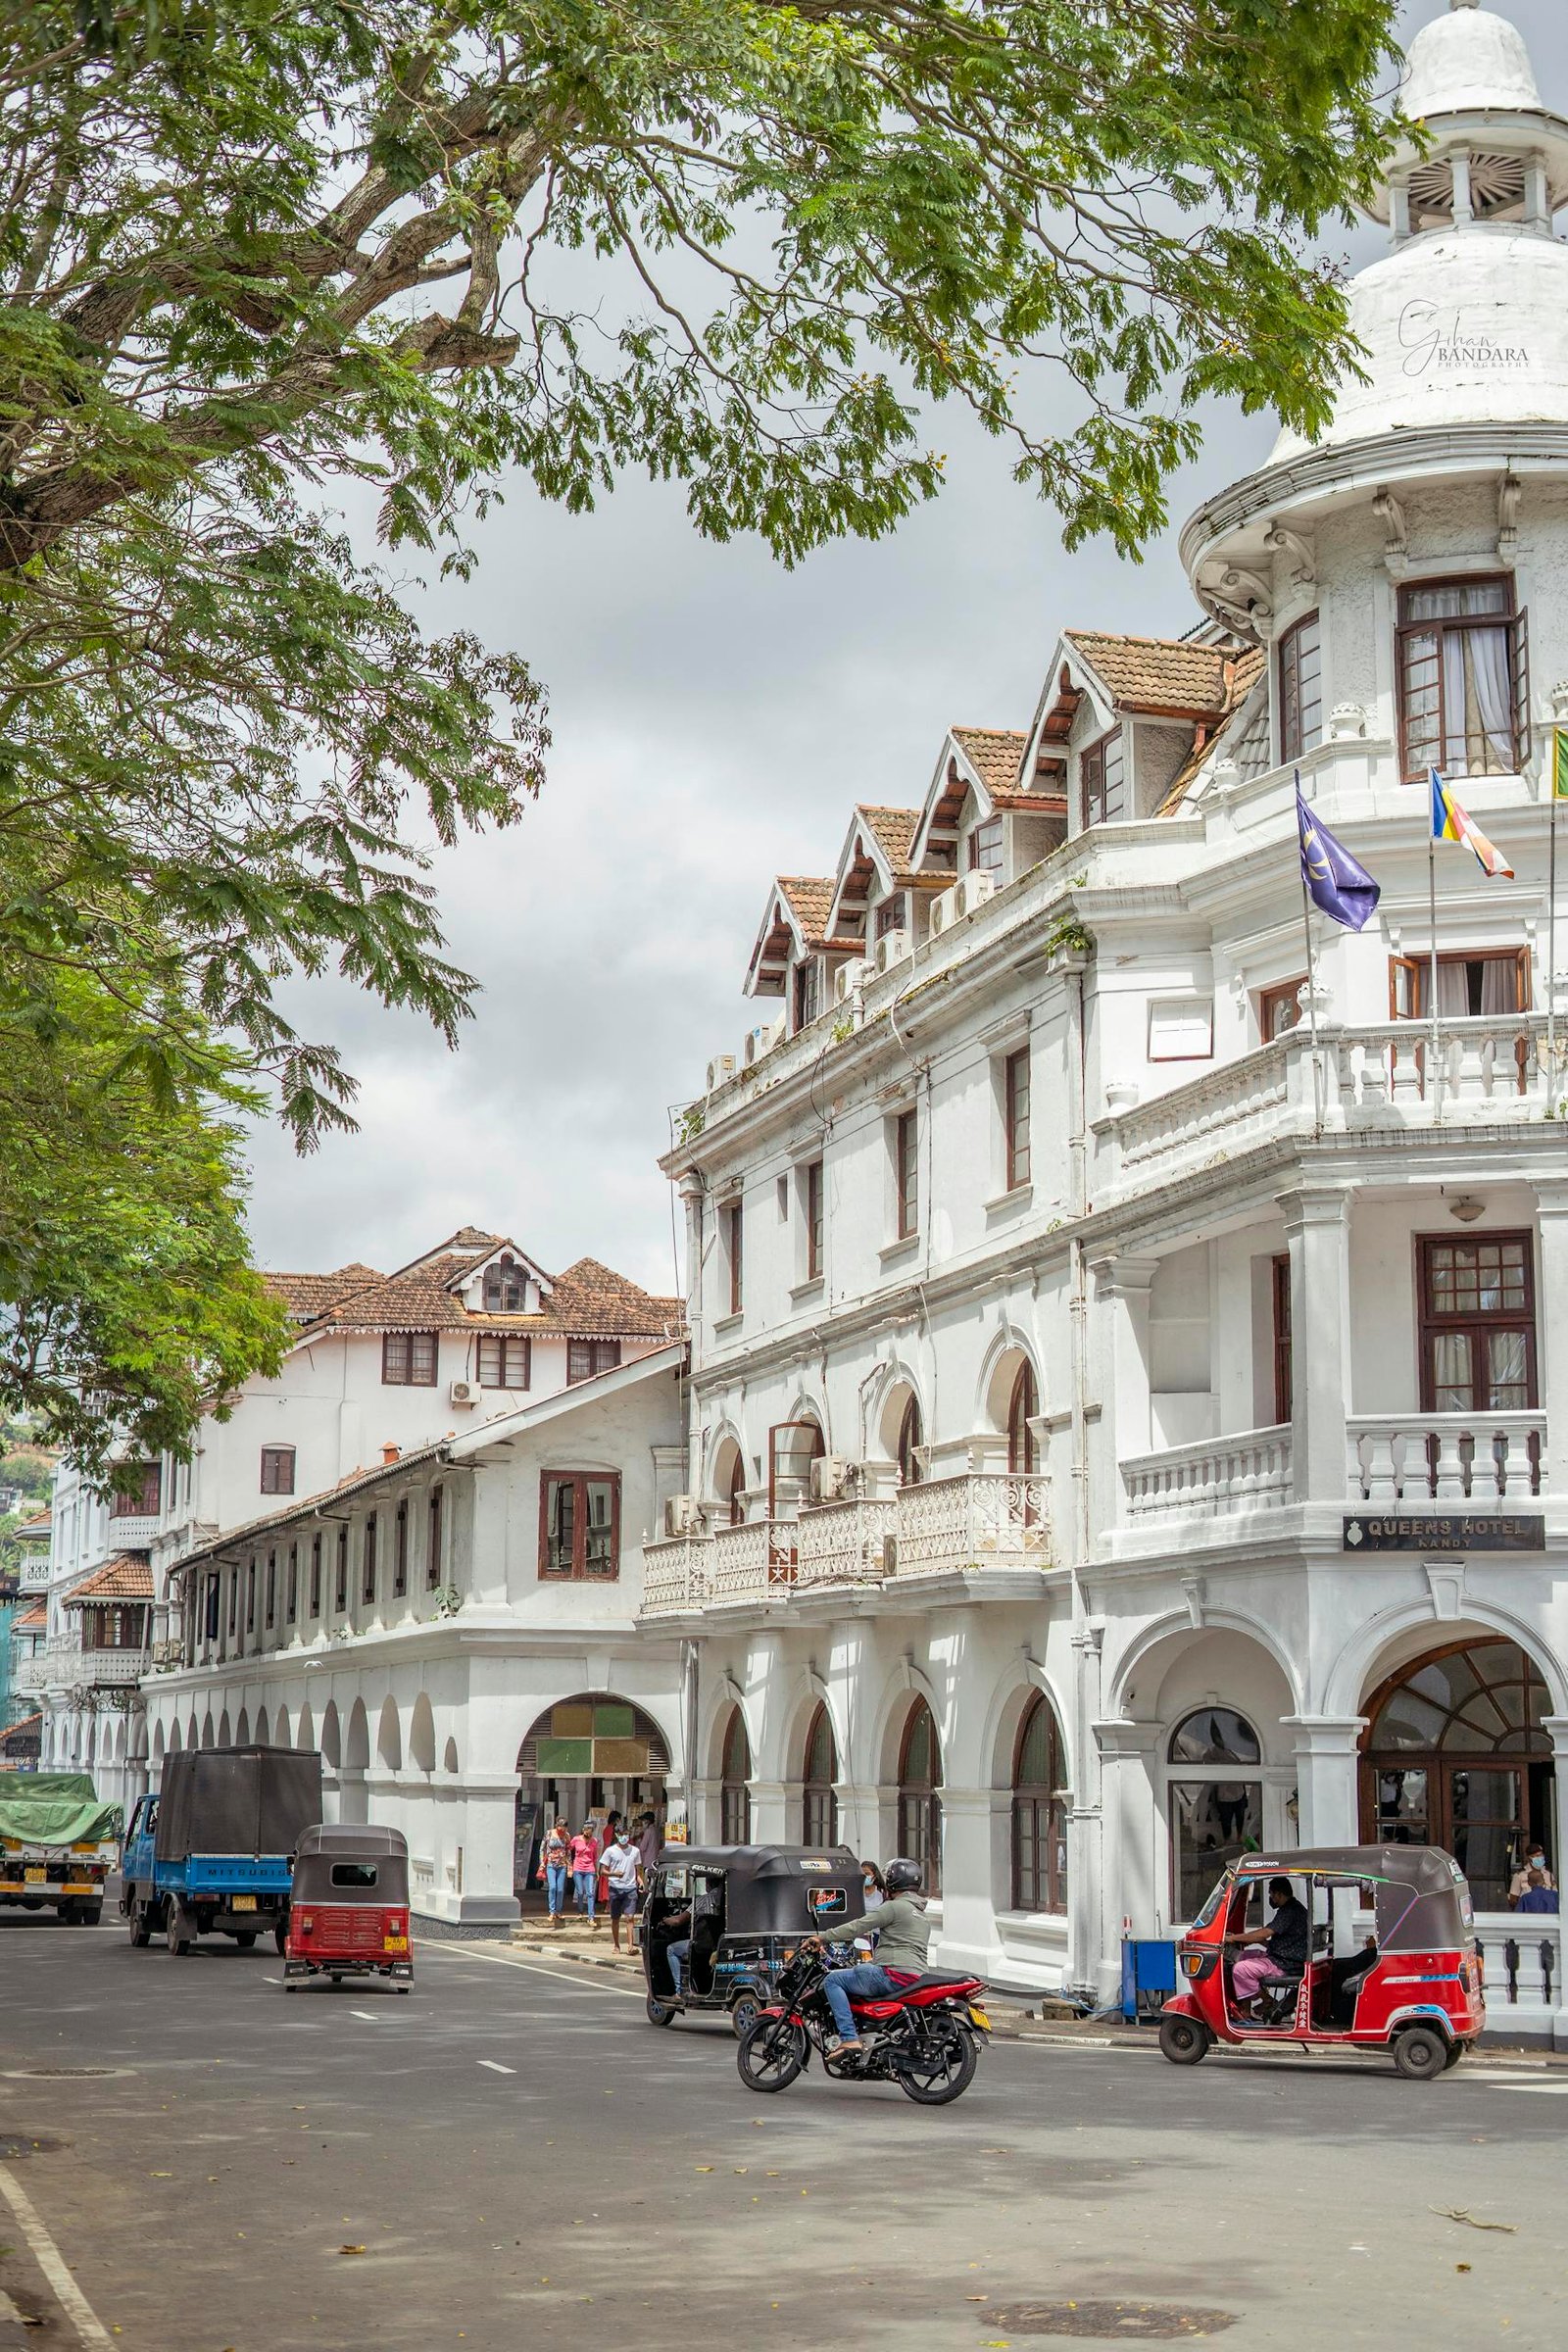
(894, 947)
(849, 977)
(464, 1392)
(763, 1041)
(831, 1478)
(720, 1070)
(944, 912)
(974, 890)
(682, 1515)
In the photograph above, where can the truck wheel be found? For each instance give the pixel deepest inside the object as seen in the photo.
(177, 1927)
(89, 1915)
(245, 1937)
(67, 1914)
(281, 1935)
(141, 1934)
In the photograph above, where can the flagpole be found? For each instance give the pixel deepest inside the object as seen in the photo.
(1432, 953)
(1552, 926)
(1311, 986)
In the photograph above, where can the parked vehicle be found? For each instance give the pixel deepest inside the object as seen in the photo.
(212, 1850)
(348, 1905)
(58, 1845)
(1412, 1988)
(744, 1908)
(926, 2036)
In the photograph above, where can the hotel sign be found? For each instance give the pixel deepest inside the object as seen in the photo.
(1440, 1531)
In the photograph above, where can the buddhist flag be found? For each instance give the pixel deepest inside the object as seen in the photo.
(1450, 823)
(1337, 883)
(1559, 763)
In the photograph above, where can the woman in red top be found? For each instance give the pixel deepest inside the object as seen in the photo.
(585, 1870)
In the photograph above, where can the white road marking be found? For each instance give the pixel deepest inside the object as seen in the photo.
(496, 2067)
(272, 1979)
(73, 2302)
(368, 2016)
(557, 1975)
(1550, 2091)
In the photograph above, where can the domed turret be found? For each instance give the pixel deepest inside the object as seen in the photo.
(1467, 60)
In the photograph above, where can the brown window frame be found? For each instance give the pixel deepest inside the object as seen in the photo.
(579, 1573)
(906, 1174)
(805, 993)
(919, 1803)
(402, 1357)
(1431, 1323)
(1300, 734)
(1039, 1820)
(1023, 1406)
(341, 1582)
(316, 1576)
(291, 1589)
(1284, 996)
(250, 1597)
(271, 1590)
(1016, 1094)
(433, 1541)
(734, 1789)
(986, 853)
(586, 1358)
(1092, 762)
(1279, 1270)
(212, 1607)
(500, 1356)
(143, 1501)
(819, 1803)
(234, 1602)
(811, 1218)
(1514, 618)
(400, 1550)
(1417, 971)
(274, 1460)
(504, 1276)
(368, 1564)
(889, 915)
(735, 1253)
(736, 1497)
(912, 1436)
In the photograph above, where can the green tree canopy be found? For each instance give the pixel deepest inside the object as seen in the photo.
(248, 250)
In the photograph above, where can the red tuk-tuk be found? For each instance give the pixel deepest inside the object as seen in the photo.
(1407, 1981)
(349, 1907)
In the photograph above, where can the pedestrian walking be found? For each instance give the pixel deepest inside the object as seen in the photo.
(557, 1857)
(585, 1870)
(650, 1839)
(623, 1869)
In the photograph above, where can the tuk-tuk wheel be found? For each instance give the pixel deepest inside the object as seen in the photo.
(1184, 2041)
(659, 2013)
(1419, 2053)
(245, 1937)
(743, 2013)
(1456, 2050)
(280, 1935)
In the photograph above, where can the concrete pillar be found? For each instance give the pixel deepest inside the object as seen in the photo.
(1122, 1285)
(771, 1813)
(1326, 1749)
(1538, 202)
(1463, 207)
(859, 1827)
(1317, 1229)
(479, 1871)
(1552, 1331)
(1136, 1882)
(1086, 1823)
(1400, 211)
(975, 1830)
(1557, 1854)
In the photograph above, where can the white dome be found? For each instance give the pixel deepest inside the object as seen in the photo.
(1459, 327)
(1466, 61)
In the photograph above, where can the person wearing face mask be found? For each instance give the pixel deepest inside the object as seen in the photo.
(1535, 1859)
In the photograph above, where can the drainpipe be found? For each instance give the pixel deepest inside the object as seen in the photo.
(1085, 1650)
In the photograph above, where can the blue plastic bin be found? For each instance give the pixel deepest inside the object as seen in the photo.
(1148, 1977)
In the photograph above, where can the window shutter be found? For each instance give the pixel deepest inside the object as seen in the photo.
(1521, 689)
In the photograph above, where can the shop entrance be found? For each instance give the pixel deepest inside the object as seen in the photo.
(584, 1758)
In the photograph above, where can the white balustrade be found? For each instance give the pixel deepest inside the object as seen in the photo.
(1213, 1478)
(675, 1574)
(845, 1542)
(132, 1531)
(1445, 1457)
(981, 1519)
(1522, 1959)
(29, 1675)
(753, 1559)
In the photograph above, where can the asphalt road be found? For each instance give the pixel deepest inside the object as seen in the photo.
(510, 2156)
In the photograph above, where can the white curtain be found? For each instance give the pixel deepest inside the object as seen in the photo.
(1499, 985)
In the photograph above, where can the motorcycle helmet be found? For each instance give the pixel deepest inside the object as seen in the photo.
(902, 1876)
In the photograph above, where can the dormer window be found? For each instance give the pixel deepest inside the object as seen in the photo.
(506, 1288)
(805, 991)
(985, 848)
(1104, 769)
(892, 913)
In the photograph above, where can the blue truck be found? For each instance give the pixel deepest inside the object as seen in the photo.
(211, 1850)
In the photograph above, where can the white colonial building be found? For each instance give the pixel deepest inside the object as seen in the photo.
(1129, 1404)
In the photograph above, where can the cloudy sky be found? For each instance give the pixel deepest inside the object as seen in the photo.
(714, 718)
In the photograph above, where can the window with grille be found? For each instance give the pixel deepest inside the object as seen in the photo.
(1104, 769)
(1015, 1114)
(408, 1360)
(278, 1469)
(505, 1362)
(1039, 1812)
(138, 1491)
(1478, 1324)
(1464, 679)
(1301, 676)
(579, 1535)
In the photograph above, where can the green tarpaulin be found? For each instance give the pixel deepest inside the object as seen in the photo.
(55, 1808)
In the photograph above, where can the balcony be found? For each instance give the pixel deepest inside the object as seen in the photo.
(1445, 1457)
(70, 1667)
(753, 1562)
(132, 1531)
(981, 1519)
(844, 1542)
(1385, 1075)
(30, 1675)
(1213, 1479)
(676, 1574)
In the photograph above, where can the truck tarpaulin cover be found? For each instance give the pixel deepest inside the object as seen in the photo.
(56, 1809)
(236, 1800)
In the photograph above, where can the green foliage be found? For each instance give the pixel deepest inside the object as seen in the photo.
(1069, 934)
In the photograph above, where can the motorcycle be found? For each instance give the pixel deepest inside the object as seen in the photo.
(925, 2036)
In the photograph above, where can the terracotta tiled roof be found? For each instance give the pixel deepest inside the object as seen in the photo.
(309, 1295)
(993, 753)
(1245, 670)
(127, 1575)
(809, 897)
(586, 1301)
(39, 1524)
(15, 1730)
(895, 829)
(31, 1620)
(590, 1300)
(1159, 673)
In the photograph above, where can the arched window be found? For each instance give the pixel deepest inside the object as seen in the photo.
(1216, 1802)
(820, 1807)
(919, 1803)
(910, 1445)
(505, 1287)
(1023, 1407)
(734, 1783)
(1039, 1812)
(737, 1489)
(1455, 1755)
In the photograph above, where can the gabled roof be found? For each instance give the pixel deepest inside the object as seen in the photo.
(794, 922)
(588, 1301)
(127, 1575)
(983, 763)
(30, 1530)
(1155, 674)
(1248, 668)
(996, 755)
(878, 847)
(308, 1295)
(31, 1620)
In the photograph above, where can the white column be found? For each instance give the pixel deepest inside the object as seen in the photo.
(770, 1810)
(1399, 210)
(969, 1819)
(1552, 1331)
(1557, 1726)
(1317, 1229)
(1136, 1882)
(1538, 205)
(1463, 209)
(1327, 1752)
(1122, 1284)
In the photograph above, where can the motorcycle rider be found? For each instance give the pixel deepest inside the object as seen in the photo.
(902, 1935)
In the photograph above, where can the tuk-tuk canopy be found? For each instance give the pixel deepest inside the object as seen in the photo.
(350, 1862)
(769, 1888)
(1420, 1896)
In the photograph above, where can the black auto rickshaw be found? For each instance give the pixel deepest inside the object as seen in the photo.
(744, 1910)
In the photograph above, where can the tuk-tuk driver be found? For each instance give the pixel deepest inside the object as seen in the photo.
(1283, 1947)
(708, 1903)
(902, 1935)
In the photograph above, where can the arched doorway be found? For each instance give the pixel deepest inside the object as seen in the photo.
(910, 1439)
(1023, 1409)
(1454, 1754)
(1216, 1802)
(1039, 1811)
(583, 1758)
(920, 1795)
(734, 1783)
(819, 1804)
(729, 1482)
